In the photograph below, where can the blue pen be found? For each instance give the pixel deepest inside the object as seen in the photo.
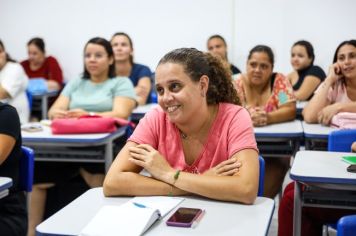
(139, 205)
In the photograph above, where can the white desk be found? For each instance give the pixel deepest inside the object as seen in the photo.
(43, 97)
(221, 218)
(300, 106)
(316, 136)
(140, 111)
(279, 140)
(326, 170)
(5, 184)
(56, 147)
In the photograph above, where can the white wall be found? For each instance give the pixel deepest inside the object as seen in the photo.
(157, 26)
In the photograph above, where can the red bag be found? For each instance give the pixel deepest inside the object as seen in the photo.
(87, 125)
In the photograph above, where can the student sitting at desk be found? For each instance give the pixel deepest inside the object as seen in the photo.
(338, 92)
(335, 94)
(38, 65)
(98, 92)
(13, 84)
(269, 99)
(217, 46)
(140, 75)
(306, 76)
(13, 213)
(199, 141)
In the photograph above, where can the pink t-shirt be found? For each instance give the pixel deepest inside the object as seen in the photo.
(336, 93)
(231, 132)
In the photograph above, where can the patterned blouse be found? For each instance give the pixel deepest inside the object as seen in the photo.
(282, 92)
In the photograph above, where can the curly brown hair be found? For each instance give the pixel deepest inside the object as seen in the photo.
(196, 64)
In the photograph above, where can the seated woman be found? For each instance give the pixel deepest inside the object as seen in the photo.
(199, 141)
(38, 65)
(13, 212)
(335, 94)
(306, 76)
(217, 46)
(139, 74)
(13, 84)
(98, 92)
(338, 92)
(269, 98)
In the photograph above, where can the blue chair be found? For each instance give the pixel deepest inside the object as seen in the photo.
(261, 179)
(346, 226)
(341, 140)
(26, 169)
(29, 98)
(153, 94)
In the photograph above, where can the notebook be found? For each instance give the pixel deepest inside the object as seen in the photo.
(131, 218)
(349, 159)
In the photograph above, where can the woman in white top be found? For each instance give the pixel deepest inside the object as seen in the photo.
(13, 84)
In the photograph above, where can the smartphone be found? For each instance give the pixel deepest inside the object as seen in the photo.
(184, 217)
(32, 127)
(352, 168)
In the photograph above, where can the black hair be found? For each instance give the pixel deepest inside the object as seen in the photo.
(39, 43)
(196, 64)
(107, 46)
(351, 42)
(265, 49)
(308, 47)
(8, 58)
(130, 41)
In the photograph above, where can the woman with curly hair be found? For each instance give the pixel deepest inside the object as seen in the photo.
(198, 141)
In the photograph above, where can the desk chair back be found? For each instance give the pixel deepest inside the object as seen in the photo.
(261, 179)
(153, 94)
(341, 140)
(26, 169)
(346, 226)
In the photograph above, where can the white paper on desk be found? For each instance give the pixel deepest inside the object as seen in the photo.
(128, 219)
(163, 204)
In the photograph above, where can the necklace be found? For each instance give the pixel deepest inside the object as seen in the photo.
(182, 135)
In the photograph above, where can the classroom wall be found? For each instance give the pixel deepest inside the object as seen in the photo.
(158, 26)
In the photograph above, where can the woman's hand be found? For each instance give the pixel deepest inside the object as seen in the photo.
(258, 116)
(335, 73)
(58, 114)
(75, 113)
(151, 160)
(327, 113)
(226, 168)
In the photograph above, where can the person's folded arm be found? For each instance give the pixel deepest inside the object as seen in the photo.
(307, 88)
(240, 187)
(59, 108)
(124, 179)
(143, 90)
(122, 108)
(284, 113)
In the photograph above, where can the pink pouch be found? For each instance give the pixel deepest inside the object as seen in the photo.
(88, 125)
(344, 120)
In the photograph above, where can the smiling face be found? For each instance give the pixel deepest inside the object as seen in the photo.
(179, 97)
(259, 68)
(121, 47)
(300, 58)
(218, 48)
(97, 60)
(346, 57)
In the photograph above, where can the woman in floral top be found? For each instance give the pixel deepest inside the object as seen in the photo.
(269, 99)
